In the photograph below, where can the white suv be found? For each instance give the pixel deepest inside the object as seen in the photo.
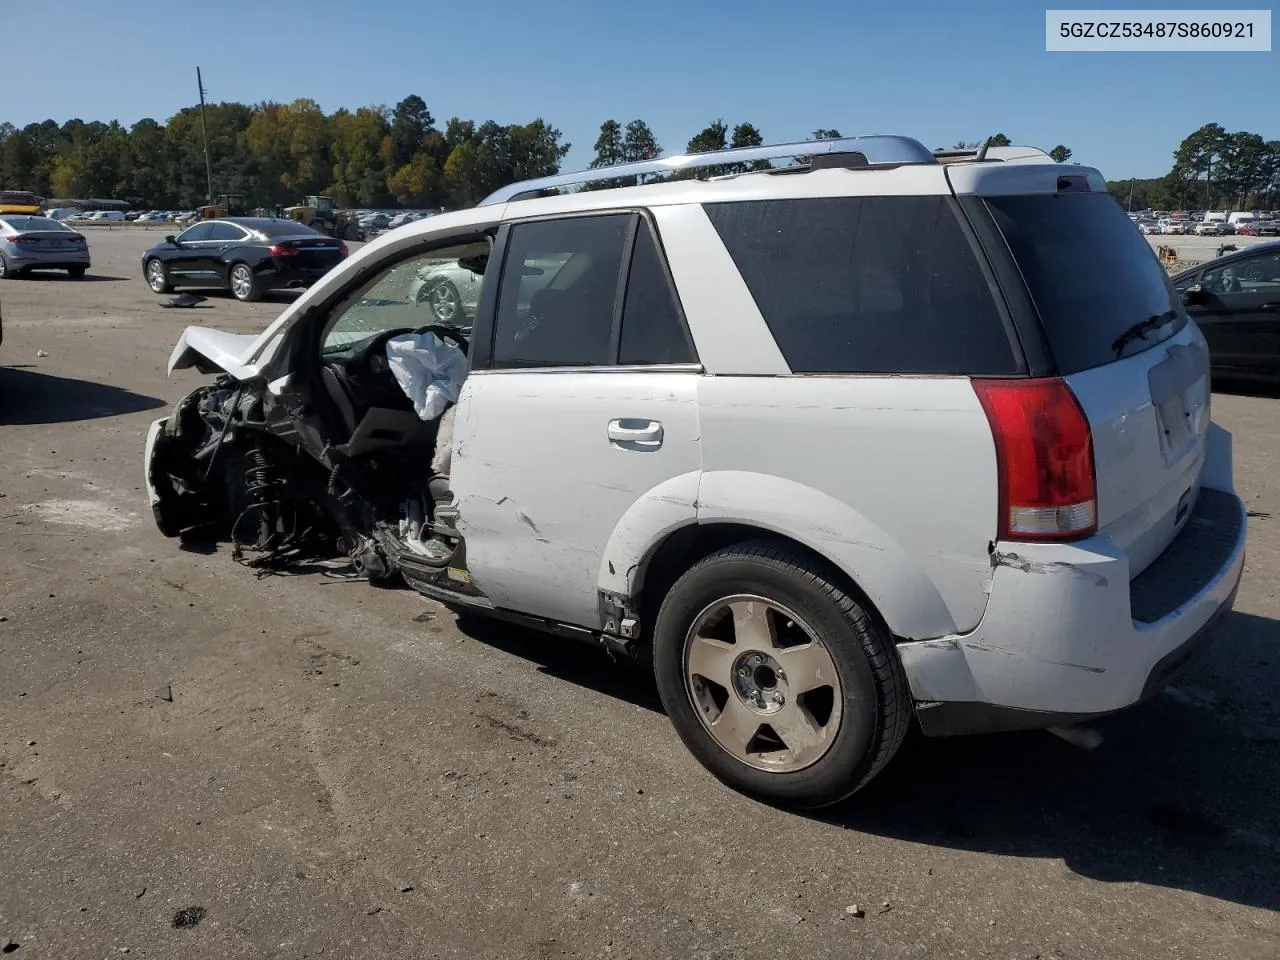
(882, 435)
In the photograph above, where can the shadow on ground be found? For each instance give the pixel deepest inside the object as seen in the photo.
(57, 275)
(1180, 794)
(576, 663)
(30, 397)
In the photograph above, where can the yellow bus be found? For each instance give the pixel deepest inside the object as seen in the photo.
(19, 201)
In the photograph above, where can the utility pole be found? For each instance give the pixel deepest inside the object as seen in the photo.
(204, 129)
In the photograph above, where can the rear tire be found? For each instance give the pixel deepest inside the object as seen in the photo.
(244, 283)
(807, 736)
(76, 273)
(7, 272)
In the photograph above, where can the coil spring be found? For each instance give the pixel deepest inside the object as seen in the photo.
(259, 478)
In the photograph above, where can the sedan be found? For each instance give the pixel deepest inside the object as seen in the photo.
(1235, 300)
(39, 243)
(246, 255)
(449, 289)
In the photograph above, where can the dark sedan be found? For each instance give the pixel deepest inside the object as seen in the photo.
(246, 255)
(1235, 300)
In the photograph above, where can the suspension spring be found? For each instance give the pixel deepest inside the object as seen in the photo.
(259, 478)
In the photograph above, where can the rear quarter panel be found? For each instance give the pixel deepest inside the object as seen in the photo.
(891, 478)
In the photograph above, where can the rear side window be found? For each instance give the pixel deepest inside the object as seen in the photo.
(653, 330)
(1091, 276)
(872, 285)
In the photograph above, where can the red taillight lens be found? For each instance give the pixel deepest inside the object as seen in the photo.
(1044, 455)
(24, 240)
(279, 250)
(342, 251)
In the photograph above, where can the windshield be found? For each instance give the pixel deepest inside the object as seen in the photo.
(22, 224)
(1092, 276)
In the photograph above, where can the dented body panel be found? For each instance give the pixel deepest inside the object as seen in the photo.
(543, 477)
(1061, 634)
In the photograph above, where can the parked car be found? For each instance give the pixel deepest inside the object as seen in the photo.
(1148, 227)
(1235, 300)
(1210, 228)
(1264, 228)
(40, 243)
(451, 290)
(686, 436)
(246, 255)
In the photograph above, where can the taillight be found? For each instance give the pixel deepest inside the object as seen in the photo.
(279, 250)
(24, 240)
(1044, 456)
(342, 251)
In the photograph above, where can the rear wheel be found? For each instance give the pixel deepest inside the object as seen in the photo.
(158, 277)
(244, 284)
(7, 272)
(444, 300)
(777, 679)
(76, 273)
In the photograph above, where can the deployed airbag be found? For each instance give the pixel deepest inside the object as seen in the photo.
(429, 371)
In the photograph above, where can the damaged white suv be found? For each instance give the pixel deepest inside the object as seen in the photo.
(879, 435)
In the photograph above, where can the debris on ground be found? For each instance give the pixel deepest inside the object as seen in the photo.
(886, 907)
(165, 692)
(42, 353)
(188, 917)
(184, 300)
(9, 946)
(854, 910)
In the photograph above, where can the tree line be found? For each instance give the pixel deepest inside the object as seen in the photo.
(275, 153)
(1212, 170)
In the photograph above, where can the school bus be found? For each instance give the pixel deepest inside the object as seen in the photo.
(19, 201)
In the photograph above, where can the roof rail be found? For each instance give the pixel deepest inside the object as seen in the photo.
(987, 152)
(877, 150)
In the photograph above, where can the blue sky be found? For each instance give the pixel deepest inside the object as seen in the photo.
(934, 70)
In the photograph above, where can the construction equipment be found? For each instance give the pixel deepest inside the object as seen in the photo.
(228, 205)
(318, 213)
(19, 202)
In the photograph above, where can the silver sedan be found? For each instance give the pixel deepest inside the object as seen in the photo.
(449, 289)
(39, 243)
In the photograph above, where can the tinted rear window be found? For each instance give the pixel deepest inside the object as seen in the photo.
(868, 284)
(1091, 275)
(34, 223)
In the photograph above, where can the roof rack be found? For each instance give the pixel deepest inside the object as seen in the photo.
(988, 152)
(869, 151)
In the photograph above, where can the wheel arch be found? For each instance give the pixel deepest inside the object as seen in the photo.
(687, 518)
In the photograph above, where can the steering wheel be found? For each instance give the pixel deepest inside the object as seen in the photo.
(446, 334)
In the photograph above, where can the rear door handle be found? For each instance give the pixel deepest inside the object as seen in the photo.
(648, 432)
(1274, 305)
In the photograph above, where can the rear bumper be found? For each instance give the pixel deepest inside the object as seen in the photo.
(1067, 636)
(277, 277)
(61, 262)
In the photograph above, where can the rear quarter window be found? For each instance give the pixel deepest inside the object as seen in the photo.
(872, 285)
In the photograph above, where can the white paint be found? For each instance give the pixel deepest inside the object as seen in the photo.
(223, 349)
(541, 487)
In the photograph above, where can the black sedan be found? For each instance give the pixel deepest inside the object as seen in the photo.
(246, 255)
(1235, 300)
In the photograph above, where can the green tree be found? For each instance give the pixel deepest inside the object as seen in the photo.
(1199, 154)
(1000, 140)
(410, 122)
(825, 133)
(610, 148)
(639, 143)
(1060, 153)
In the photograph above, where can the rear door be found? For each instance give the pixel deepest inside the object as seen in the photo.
(583, 400)
(223, 237)
(1117, 332)
(1239, 314)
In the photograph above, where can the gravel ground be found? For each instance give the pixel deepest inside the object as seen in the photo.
(197, 763)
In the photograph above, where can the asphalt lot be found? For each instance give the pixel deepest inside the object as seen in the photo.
(342, 772)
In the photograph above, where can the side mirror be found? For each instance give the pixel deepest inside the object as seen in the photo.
(171, 239)
(1193, 295)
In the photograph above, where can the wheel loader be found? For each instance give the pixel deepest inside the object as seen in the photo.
(318, 213)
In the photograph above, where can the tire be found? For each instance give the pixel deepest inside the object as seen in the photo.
(157, 275)
(444, 301)
(351, 233)
(76, 273)
(7, 272)
(244, 283)
(814, 625)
